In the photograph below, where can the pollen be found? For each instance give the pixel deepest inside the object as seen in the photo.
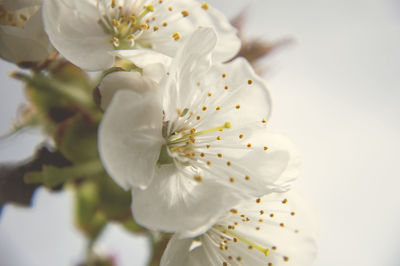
(176, 36)
(205, 6)
(155, 28)
(164, 24)
(264, 121)
(198, 117)
(265, 148)
(220, 155)
(286, 259)
(271, 215)
(185, 13)
(250, 82)
(247, 177)
(258, 200)
(284, 201)
(208, 163)
(224, 75)
(160, 1)
(249, 145)
(238, 106)
(228, 163)
(219, 138)
(282, 225)
(204, 108)
(209, 94)
(170, 8)
(231, 179)
(261, 212)
(241, 136)
(218, 108)
(293, 213)
(208, 146)
(202, 154)
(234, 211)
(226, 87)
(198, 178)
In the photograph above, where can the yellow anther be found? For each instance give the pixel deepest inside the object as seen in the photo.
(176, 36)
(113, 3)
(205, 6)
(155, 28)
(185, 13)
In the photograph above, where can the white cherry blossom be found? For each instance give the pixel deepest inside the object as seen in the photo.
(195, 143)
(22, 36)
(85, 31)
(275, 230)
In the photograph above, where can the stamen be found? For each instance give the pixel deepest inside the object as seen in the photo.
(184, 137)
(229, 232)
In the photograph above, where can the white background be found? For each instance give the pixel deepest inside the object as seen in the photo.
(336, 92)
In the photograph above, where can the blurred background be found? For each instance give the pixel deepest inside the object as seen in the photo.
(336, 91)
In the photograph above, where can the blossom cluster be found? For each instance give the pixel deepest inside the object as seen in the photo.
(185, 124)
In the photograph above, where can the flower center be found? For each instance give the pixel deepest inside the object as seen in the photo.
(181, 142)
(124, 24)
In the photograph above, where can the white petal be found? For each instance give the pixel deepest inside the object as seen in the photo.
(130, 138)
(153, 64)
(175, 203)
(28, 44)
(191, 63)
(197, 15)
(122, 80)
(177, 253)
(74, 31)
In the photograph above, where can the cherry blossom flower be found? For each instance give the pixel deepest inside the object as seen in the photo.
(195, 143)
(278, 229)
(85, 31)
(22, 36)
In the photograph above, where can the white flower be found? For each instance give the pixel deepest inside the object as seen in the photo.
(195, 144)
(22, 36)
(277, 229)
(85, 31)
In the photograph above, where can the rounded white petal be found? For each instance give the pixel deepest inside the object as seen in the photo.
(175, 203)
(277, 229)
(73, 29)
(29, 44)
(130, 138)
(153, 64)
(179, 253)
(176, 20)
(122, 80)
